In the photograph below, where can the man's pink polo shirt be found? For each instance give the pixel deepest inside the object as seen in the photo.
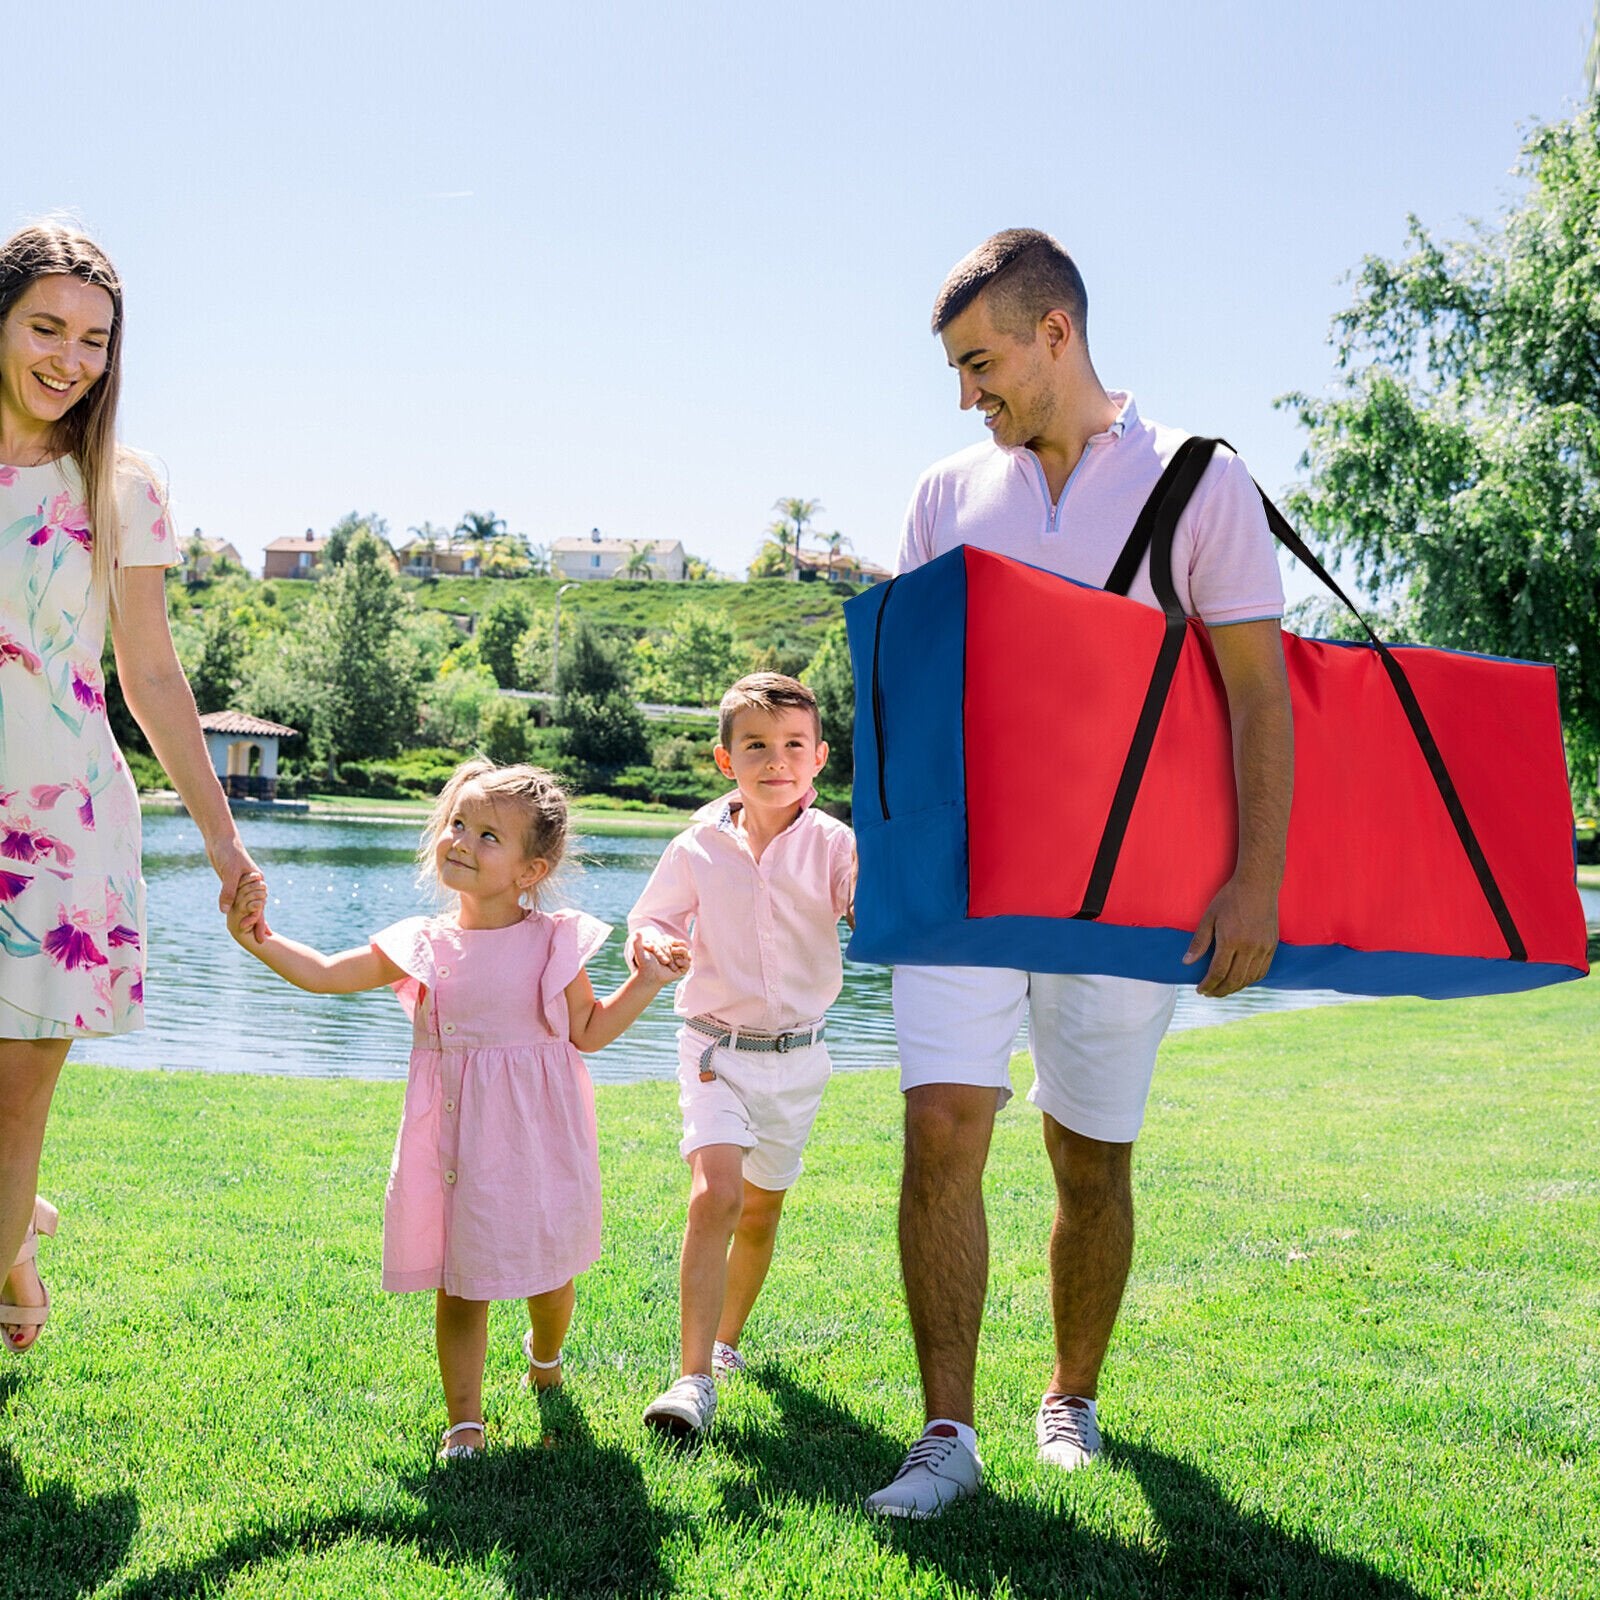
(1224, 562)
(764, 933)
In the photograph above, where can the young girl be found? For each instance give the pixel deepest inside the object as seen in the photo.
(494, 1192)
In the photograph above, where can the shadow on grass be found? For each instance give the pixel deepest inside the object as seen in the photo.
(1207, 1545)
(51, 1542)
(565, 1517)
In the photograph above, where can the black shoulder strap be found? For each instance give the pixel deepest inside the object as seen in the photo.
(1154, 529)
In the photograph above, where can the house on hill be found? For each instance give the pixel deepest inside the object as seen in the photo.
(301, 558)
(294, 558)
(438, 558)
(845, 567)
(599, 557)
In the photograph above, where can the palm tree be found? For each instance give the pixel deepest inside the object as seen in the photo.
(431, 535)
(479, 529)
(193, 554)
(790, 529)
(833, 541)
(638, 563)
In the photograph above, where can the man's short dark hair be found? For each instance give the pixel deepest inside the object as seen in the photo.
(1026, 274)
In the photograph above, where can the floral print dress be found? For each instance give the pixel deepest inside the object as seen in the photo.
(71, 894)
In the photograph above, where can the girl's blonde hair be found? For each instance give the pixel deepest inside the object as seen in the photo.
(536, 793)
(88, 432)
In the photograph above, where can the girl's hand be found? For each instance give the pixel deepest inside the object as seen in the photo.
(247, 910)
(234, 866)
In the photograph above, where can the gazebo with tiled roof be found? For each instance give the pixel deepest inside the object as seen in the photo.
(238, 742)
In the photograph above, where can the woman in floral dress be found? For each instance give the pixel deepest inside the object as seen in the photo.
(84, 534)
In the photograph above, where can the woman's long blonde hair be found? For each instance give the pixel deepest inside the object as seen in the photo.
(88, 432)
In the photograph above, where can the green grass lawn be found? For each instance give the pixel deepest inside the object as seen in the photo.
(1359, 1355)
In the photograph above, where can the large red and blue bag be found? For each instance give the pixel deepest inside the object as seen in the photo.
(1044, 780)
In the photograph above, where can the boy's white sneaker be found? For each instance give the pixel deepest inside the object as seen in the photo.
(1068, 1435)
(938, 1471)
(685, 1410)
(725, 1360)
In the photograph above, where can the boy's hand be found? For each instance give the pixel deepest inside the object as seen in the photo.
(658, 961)
(249, 907)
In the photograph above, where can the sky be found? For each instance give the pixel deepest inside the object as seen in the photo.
(649, 268)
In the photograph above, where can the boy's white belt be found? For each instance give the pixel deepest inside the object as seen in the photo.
(758, 1039)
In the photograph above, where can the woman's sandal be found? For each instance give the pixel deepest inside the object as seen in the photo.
(461, 1452)
(543, 1366)
(45, 1217)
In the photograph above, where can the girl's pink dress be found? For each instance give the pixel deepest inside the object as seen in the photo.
(494, 1193)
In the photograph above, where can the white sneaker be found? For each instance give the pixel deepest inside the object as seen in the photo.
(725, 1360)
(686, 1409)
(938, 1471)
(1068, 1435)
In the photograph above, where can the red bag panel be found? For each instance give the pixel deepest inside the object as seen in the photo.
(1055, 676)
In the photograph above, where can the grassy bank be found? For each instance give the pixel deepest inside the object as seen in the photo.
(1358, 1355)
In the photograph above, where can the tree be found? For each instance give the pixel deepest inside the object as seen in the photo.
(829, 678)
(507, 557)
(363, 680)
(503, 730)
(692, 662)
(453, 704)
(504, 621)
(833, 541)
(345, 529)
(638, 565)
(794, 518)
(477, 530)
(1457, 464)
(532, 653)
(772, 561)
(194, 552)
(601, 726)
(215, 677)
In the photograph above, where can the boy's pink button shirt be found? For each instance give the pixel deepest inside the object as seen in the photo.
(764, 933)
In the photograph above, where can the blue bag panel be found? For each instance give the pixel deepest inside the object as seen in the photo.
(913, 859)
(921, 652)
(912, 885)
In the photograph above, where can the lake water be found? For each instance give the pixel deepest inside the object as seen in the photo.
(212, 1008)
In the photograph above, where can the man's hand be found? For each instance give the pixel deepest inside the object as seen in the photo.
(1242, 919)
(1243, 922)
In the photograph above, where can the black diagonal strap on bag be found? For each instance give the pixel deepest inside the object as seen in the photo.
(1156, 525)
(1153, 531)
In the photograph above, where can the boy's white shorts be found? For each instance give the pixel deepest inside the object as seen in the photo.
(764, 1103)
(1093, 1039)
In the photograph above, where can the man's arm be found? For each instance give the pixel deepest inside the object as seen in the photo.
(1243, 915)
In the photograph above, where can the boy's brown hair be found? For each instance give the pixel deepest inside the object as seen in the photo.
(769, 693)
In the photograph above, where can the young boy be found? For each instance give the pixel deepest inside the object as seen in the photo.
(756, 884)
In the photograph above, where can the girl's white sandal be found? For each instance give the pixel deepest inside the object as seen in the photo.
(460, 1452)
(543, 1366)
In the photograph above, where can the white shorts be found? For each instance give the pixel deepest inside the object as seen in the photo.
(763, 1103)
(1093, 1039)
